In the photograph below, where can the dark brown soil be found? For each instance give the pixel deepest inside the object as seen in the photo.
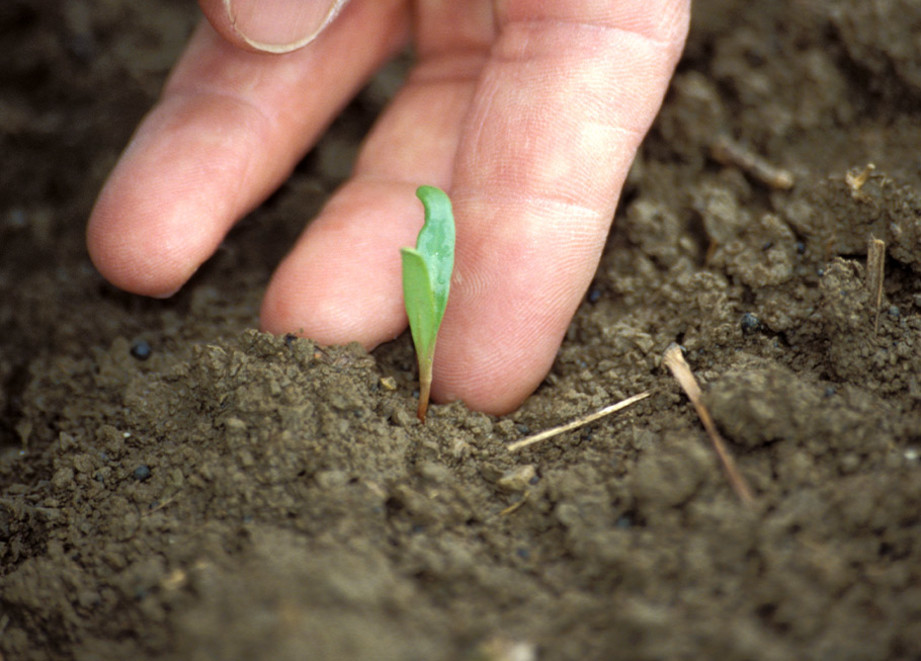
(239, 496)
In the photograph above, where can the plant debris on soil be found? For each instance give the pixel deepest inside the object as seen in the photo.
(176, 485)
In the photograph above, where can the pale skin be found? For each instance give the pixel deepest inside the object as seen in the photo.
(528, 112)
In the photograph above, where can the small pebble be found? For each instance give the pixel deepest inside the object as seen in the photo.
(17, 218)
(893, 310)
(141, 350)
(142, 473)
(518, 478)
(750, 323)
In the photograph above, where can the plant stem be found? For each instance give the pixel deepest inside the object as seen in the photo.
(425, 389)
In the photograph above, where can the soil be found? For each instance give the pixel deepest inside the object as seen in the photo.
(176, 485)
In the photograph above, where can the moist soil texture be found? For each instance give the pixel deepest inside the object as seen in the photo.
(176, 485)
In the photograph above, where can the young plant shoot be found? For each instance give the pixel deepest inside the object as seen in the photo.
(426, 280)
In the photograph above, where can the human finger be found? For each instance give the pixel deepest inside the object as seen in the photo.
(569, 92)
(227, 130)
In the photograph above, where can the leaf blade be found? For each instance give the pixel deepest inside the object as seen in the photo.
(436, 243)
(419, 301)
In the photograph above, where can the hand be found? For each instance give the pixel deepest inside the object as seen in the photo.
(528, 113)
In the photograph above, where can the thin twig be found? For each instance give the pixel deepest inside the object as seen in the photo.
(674, 360)
(581, 422)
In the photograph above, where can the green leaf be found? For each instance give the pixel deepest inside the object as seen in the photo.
(427, 281)
(419, 300)
(436, 243)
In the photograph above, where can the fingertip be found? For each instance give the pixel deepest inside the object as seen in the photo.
(342, 282)
(137, 252)
(306, 299)
(489, 371)
(503, 393)
(168, 203)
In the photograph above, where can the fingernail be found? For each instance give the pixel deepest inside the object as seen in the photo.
(281, 26)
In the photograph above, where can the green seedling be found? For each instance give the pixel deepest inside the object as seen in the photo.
(426, 281)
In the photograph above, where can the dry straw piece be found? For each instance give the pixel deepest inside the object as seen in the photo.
(876, 268)
(674, 360)
(575, 424)
(726, 151)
